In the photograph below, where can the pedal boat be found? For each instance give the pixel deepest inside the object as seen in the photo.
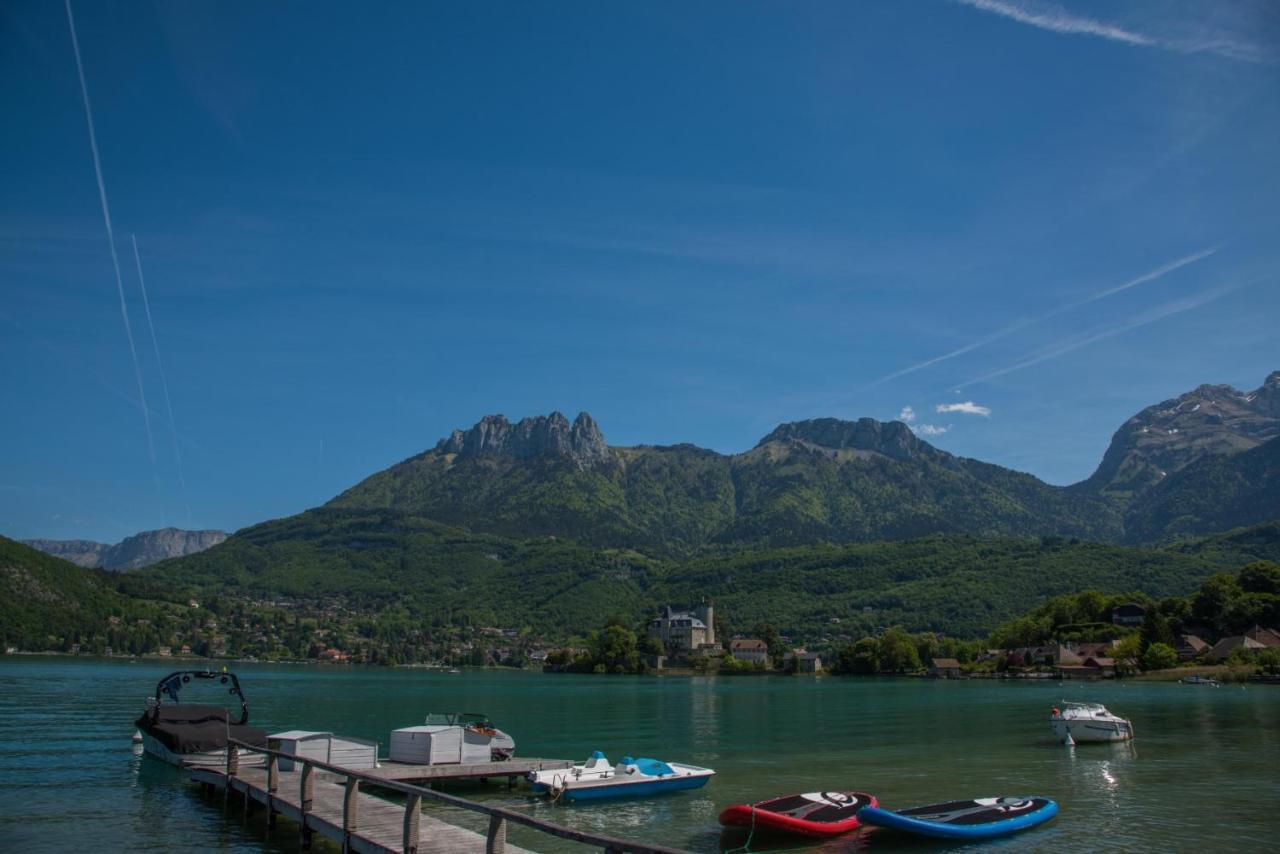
(1089, 722)
(630, 778)
(189, 734)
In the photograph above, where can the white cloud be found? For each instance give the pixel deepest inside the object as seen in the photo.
(907, 414)
(1056, 19)
(968, 408)
(929, 429)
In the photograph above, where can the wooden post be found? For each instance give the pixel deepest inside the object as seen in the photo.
(496, 842)
(412, 813)
(233, 760)
(305, 796)
(350, 811)
(273, 786)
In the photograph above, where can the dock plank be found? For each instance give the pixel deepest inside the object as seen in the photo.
(379, 825)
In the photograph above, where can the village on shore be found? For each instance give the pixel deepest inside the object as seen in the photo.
(1227, 629)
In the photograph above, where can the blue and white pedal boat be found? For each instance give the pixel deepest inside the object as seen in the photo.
(630, 778)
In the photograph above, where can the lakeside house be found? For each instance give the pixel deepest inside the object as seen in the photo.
(686, 633)
(749, 649)
(944, 668)
(1226, 646)
(1128, 614)
(805, 661)
(1189, 647)
(1266, 637)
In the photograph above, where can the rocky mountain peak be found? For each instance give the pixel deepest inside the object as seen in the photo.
(537, 436)
(1162, 439)
(892, 439)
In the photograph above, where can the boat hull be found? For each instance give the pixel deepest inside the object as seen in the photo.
(1083, 729)
(208, 759)
(982, 818)
(627, 789)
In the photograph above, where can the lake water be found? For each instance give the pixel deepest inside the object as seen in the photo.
(1203, 773)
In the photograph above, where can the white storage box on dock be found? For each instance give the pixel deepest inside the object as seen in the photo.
(360, 754)
(476, 747)
(297, 742)
(427, 745)
(356, 753)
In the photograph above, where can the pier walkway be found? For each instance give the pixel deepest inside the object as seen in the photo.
(332, 801)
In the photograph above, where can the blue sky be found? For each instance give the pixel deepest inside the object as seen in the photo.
(362, 227)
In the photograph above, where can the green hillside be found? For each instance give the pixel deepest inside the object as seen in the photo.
(1211, 494)
(441, 576)
(49, 603)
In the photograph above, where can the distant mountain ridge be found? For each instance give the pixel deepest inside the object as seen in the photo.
(139, 550)
(825, 480)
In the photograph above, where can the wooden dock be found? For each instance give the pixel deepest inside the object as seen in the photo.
(333, 801)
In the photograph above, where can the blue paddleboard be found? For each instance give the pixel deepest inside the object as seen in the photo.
(980, 818)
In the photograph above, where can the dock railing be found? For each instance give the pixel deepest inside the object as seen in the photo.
(499, 817)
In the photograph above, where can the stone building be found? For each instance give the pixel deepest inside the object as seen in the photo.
(685, 631)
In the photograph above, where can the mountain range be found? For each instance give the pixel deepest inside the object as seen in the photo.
(132, 552)
(540, 523)
(1187, 466)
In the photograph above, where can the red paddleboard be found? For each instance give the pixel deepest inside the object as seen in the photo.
(810, 814)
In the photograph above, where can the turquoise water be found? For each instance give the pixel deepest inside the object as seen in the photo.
(1203, 774)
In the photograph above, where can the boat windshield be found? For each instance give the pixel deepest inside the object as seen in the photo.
(1084, 707)
(171, 688)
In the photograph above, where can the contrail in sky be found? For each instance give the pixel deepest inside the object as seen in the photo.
(164, 383)
(1075, 342)
(111, 237)
(1062, 309)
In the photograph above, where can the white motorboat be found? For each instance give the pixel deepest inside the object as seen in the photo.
(596, 778)
(188, 734)
(1089, 722)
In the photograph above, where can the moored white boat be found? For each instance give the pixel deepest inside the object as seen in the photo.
(596, 778)
(1089, 722)
(188, 734)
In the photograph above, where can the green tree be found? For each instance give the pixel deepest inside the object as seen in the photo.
(862, 658)
(1268, 660)
(615, 648)
(1261, 576)
(898, 652)
(1210, 604)
(1159, 656)
(1155, 630)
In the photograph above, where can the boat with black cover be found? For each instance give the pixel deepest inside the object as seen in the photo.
(196, 734)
